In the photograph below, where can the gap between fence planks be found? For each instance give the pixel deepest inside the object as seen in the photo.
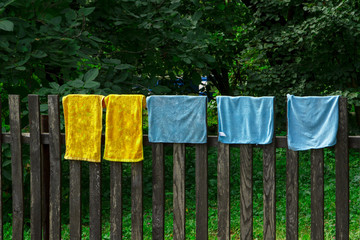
(317, 194)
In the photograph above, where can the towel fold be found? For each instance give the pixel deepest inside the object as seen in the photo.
(123, 134)
(177, 119)
(312, 122)
(83, 126)
(245, 120)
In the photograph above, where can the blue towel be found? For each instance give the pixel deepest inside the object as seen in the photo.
(312, 122)
(245, 120)
(177, 119)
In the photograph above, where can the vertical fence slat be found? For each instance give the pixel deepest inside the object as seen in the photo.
(115, 200)
(246, 191)
(16, 168)
(55, 168)
(95, 200)
(342, 174)
(45, 171)
(1, 201)
(317, 194)
(137, 200)
(223, 188)
(269, 192)
(75, 199)
(158, 198)
(201, 173)
(292, 194)
(35, 167)
(179, 190)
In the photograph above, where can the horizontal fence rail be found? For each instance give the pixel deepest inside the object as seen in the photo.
(45, 140)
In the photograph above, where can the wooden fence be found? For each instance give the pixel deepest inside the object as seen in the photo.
(45, 183)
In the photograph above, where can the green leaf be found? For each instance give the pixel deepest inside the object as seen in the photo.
(21, 68)
(124, 66)
(91, 74)
(6, 25)
(38, 54)
(76, 83)
(86, 11)
(54, 85)
(91, 84)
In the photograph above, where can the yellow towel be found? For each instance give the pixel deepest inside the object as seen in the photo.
(83, 126)
(123, 134)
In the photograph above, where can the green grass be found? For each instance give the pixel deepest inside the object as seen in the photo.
(304, 196)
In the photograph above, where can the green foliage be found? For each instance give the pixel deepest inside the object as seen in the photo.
(303, 48)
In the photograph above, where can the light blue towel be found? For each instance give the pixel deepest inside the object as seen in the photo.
(312, 122)
(245, 120)
(177, 119)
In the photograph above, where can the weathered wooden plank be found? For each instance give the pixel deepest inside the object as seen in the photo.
(317, 194)
(115, 200)
(95, 200)
(45, 186)
(246, 191)
(16, 168)
(342, 173)
(223, 188)
(75, 199)
(35, 168)
(158, 197)
(179, 190)
(269, 191)
(1, 201)
(55, 168)
(201, 174)
(292, 194)
(137, 200)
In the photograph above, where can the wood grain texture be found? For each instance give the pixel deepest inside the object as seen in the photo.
(223, 191)
(246, 192)
(137, 218)
(95, 200)
(35, 168)
(317, 194)
(115, 200)
(16, 168)
(292, 194)
(55, 168)
(342, 173)
(1, 189)
(269, 191)
(201, 183)
(158, 197)
(179, 191)
(75, 199)
(45, 188)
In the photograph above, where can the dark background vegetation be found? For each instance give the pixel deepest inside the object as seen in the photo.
(249, 47)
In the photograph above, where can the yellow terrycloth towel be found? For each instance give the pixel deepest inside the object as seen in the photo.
(83, 126)
(123, 134)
